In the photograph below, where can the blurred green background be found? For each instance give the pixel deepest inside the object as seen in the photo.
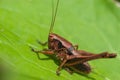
(92, 24)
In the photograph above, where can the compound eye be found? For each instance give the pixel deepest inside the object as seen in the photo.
(51, 36)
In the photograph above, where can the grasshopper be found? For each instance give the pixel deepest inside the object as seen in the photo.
(72, 59)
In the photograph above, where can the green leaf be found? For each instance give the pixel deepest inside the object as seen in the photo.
(92, 24)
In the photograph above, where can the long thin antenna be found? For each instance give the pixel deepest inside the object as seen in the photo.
(51, 27)
(53, 15)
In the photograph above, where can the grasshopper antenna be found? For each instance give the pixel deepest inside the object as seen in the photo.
(53, 15)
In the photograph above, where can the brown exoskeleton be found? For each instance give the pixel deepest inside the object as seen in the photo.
(70, 57)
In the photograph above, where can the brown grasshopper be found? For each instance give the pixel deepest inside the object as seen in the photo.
(72, 59)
